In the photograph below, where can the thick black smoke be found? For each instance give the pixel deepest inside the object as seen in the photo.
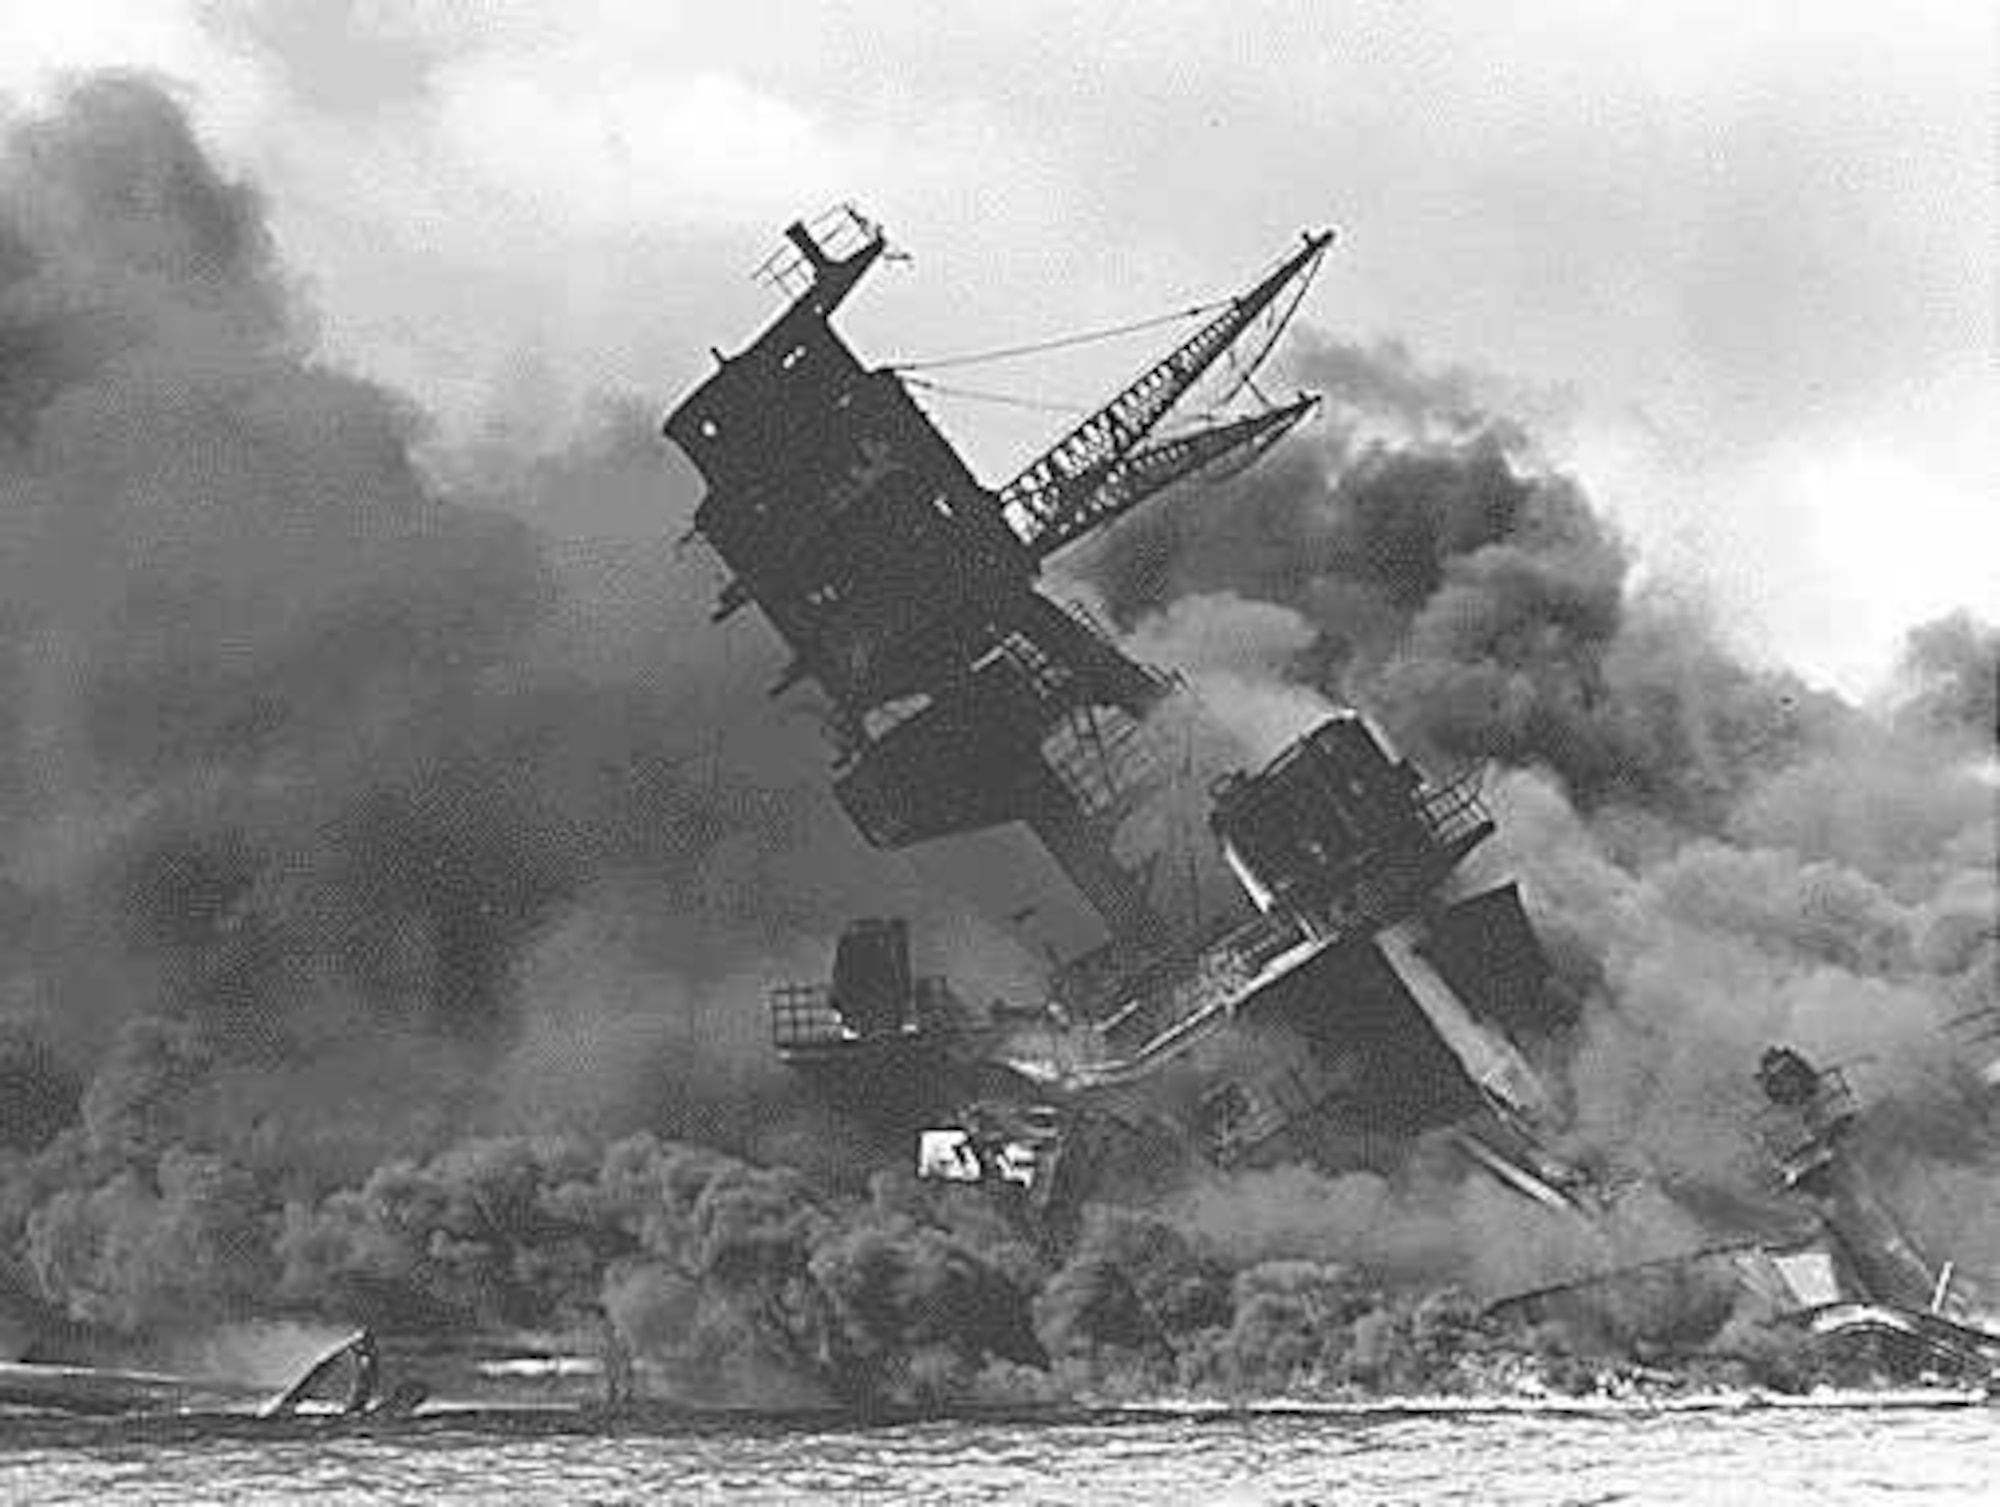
(1719, 857)
(1467, 596)
(342, 816)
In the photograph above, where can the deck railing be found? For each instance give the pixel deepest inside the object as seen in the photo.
(803, 1017)
(1452, 812)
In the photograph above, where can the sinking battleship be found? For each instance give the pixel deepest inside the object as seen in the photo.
(1352, 999)
(1349, 994)
(1356, 999)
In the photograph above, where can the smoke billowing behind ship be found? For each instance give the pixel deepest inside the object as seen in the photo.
(379, 866)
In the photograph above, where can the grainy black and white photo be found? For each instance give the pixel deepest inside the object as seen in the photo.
(1059, 752)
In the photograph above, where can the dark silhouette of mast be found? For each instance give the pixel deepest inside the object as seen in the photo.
(962, 696)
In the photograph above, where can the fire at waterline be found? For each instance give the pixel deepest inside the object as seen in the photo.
(1354, 1001)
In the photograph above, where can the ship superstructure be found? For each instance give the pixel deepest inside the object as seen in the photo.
(961, 695)
(1347, 999)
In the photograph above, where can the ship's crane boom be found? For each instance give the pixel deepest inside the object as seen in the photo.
(1056, 494)
(1128, 480)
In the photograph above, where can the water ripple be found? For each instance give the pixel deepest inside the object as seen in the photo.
(1294, 1458)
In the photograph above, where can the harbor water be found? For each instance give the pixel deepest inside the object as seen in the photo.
(1743, 1450)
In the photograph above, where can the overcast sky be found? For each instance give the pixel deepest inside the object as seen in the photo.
(1743, 253)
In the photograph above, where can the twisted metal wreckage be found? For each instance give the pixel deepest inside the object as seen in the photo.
(342, 1381)
(1355, 996)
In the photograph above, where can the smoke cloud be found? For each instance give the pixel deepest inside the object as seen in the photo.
(1468, 597)
(1718, 857)
(345, 816)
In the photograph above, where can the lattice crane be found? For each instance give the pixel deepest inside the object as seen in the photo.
(1102, 468)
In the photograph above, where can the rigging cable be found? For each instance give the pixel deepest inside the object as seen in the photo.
(986, 395)
(1060, 342)
(1040, 405)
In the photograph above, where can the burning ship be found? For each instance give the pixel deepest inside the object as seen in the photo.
(1351, 998)
(1350, 995)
